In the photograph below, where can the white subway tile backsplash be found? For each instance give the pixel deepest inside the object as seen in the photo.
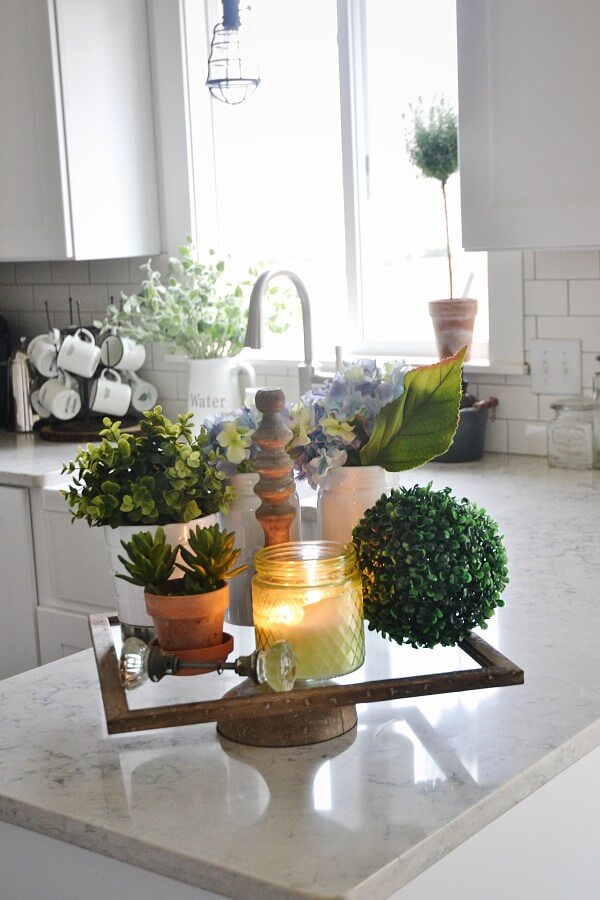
(165, 382)
(546, 298)
(589, 366)
(529, 438)
(496, 435)
(89, 296)
(103, 271)
(584, 298)
(33, 273)
(55, 295)
(16, 297)
(567, 264)
(136, 276)
(70, 272)
(528, 264)
(7, 273)
(585, 327)
(515, 402)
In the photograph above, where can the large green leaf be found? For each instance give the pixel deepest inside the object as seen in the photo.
(421, 423)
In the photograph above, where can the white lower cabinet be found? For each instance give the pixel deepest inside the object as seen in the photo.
(18, 595)
(61, 633)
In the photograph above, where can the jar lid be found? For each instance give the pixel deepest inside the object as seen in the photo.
(577, 404)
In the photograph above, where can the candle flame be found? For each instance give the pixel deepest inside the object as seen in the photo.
(287, 615)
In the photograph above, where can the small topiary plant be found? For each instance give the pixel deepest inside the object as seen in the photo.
(210, 561)
(433, 567)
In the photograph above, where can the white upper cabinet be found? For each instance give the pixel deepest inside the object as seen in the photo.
(77, 155)
(529, 126)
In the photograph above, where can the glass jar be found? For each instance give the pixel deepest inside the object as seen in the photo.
(310, 594)
(597, 419)
(570, 434)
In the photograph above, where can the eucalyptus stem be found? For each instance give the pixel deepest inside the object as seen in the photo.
(447, 238)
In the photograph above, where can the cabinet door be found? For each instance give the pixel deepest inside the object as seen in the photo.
(109, 127)
(33, 202)
(18, 596)
(61, 633)
(529, 90)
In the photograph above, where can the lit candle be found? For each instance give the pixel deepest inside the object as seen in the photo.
(310, 594)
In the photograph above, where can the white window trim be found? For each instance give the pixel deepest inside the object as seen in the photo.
(505, 353)
(187, 170)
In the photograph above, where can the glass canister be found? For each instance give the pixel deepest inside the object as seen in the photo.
(310, 594)
(570, 434)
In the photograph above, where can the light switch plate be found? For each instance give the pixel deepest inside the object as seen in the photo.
(556, 367)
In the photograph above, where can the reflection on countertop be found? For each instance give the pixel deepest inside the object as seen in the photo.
(28, 461)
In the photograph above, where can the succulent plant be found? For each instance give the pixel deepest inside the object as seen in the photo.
(433, 567)
(158, 477)
(210, 560)
(151, 560)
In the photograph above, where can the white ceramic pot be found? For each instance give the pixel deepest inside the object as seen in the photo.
(250, 537)
(213, 385)
(345, 495)
(129, 598)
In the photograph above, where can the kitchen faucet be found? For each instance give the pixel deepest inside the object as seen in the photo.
(306, 372)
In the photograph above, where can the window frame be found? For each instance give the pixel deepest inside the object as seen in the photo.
(187, 178)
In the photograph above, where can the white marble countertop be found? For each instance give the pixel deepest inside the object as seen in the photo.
(27, 461)
(360, 816)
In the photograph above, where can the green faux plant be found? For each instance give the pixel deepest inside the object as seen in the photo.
(433, 567)
(432, 146)
(196, 311)
(209, 561)
(159, 477)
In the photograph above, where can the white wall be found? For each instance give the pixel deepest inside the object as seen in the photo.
(562, 299)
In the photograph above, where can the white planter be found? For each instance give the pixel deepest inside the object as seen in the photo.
(129, 599)
(345, 495)
(250, 537)
(213, 386)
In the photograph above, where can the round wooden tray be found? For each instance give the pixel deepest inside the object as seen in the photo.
(83, 429)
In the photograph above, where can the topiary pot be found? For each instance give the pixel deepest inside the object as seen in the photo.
(189, 621)
(453, 323)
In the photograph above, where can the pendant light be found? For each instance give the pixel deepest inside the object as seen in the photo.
(232, 69)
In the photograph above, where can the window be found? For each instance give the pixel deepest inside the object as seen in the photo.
(311, 173)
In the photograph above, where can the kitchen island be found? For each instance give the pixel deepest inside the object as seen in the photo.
(365, 815)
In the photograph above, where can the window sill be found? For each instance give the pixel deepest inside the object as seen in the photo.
(473, 367)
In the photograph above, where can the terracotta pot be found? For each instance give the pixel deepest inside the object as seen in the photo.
(189, 622)
(218, 653)
(453, 322)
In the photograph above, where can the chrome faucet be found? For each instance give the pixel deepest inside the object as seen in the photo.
(306, 372)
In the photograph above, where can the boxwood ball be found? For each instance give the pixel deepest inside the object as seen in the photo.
(433, 567)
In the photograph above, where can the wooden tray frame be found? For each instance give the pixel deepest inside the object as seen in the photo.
(495, 670)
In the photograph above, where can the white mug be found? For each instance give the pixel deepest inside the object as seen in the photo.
(122, 353)
(213, 386)
(79, 353)
(43, 351)
(60, 397)
(144, 395)
(108, 394)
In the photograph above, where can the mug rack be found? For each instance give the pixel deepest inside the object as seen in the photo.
(86, 425)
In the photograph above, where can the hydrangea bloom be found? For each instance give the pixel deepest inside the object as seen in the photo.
(229, 447)
(334, 421)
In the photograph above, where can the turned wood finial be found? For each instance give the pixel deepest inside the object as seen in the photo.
(276, 483)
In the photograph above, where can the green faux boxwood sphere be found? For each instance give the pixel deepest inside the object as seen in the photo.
(433, 567)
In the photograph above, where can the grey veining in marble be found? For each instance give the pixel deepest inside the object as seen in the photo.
(360, 816)
(27, 461)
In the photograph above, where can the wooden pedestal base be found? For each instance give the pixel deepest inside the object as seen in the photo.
(292, 730)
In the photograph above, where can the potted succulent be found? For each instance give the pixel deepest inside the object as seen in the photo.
(200, 314)
(432, 146)
(187, 611)
(433, 567)
(159, 477)
(230, 449)
(365, 423)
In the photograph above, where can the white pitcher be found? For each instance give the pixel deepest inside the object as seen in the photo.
(213, 385)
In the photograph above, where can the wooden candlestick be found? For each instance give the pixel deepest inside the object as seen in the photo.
(276, 483)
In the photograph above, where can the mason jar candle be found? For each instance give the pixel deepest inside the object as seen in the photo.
(310, 594)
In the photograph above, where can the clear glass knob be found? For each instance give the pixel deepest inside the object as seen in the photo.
(277, 666)
(133, 665)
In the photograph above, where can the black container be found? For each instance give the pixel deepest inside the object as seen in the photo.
(4, 381)
(467, 445)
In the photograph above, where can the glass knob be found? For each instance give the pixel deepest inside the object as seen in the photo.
(133, 665)
(277, 666)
